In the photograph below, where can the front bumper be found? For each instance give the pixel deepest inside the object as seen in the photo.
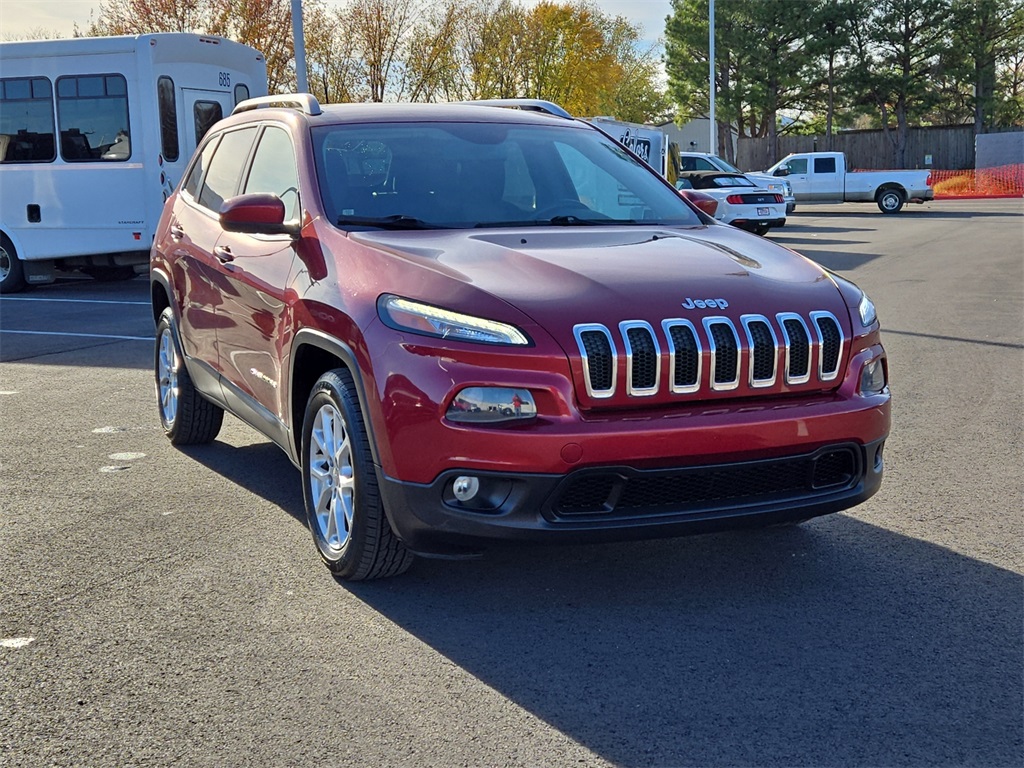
(618, 503)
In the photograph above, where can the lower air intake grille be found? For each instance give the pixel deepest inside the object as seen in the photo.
(699, 489)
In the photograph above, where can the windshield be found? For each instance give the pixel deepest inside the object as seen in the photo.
(727, 166)
(463, 175)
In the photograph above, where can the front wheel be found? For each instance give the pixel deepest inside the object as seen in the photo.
(344, 510)
(12, 274)
(187, 417)
(891, 200)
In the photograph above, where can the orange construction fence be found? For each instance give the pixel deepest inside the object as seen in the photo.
(1004, 181)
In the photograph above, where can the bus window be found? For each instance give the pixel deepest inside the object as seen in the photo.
(168, 118)
(92, 112)
(241, 93)
(206, 113)
(26, 120)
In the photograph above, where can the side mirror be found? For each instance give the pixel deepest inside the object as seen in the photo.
(257, 214)
(782, 170)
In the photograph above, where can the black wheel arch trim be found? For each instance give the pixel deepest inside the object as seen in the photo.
(341, 350)
(157, 277)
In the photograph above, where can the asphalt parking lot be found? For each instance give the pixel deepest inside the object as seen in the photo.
(166, 607)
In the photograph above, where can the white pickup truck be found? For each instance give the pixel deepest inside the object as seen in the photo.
(823, 177)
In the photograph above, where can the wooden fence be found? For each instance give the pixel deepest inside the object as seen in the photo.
(947, 147)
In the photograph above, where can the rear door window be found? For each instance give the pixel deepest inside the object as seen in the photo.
(824, 165)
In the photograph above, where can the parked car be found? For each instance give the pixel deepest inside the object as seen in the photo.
(704, 202)
(469, 325)
(824, 177)
(740, 202)
(704, 161)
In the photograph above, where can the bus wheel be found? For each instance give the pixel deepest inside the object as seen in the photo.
(110, 274)
(12, 276)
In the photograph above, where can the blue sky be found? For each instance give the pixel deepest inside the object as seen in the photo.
(18, 17)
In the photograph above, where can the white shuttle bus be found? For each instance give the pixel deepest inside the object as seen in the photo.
(94, 135)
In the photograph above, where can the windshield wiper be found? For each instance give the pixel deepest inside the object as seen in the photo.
(575, 221)
(559, 221)
(397, 221)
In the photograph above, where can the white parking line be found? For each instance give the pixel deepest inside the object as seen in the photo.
(80, 335)
(74, 301)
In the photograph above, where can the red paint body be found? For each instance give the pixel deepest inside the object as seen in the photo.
(259, 314)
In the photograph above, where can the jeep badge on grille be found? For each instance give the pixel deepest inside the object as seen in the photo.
(704, 303)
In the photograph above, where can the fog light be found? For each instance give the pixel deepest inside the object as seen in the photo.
(465, 488)
(872, 377)
(490, 405)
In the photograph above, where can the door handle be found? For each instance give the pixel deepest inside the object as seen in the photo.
(223, 253)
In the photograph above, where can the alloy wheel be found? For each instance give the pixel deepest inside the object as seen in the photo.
(332, 477)
(167, 377)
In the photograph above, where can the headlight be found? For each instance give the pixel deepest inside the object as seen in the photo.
(866, 308)
(407, 315)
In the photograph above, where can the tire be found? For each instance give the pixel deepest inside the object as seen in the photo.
(110, 274)
(187, 417)
(761, 230)
(890, 200)
(12, 274)
(344, 510)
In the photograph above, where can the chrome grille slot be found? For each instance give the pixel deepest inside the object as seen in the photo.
(599, 359)
(643, 358)
(751, 351)
(830, 337)
(725, 353)
(763, 350)
(684, 355)
(798, 348)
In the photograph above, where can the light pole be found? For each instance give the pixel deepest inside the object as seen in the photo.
(711, 79)
(301, 79)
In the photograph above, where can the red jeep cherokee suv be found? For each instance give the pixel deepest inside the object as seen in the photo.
(469, 324)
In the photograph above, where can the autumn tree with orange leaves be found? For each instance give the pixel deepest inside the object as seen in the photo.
(428, 50)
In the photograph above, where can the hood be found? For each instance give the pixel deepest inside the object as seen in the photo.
(564, 276)
(597, 290)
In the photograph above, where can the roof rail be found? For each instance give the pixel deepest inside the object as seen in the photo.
(304, 102)
(529, 105)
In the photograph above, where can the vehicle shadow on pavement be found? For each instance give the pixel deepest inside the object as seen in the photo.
(795, 224)
(838, 643)
(260, 468)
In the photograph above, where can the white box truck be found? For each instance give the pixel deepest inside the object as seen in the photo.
(94, 135)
